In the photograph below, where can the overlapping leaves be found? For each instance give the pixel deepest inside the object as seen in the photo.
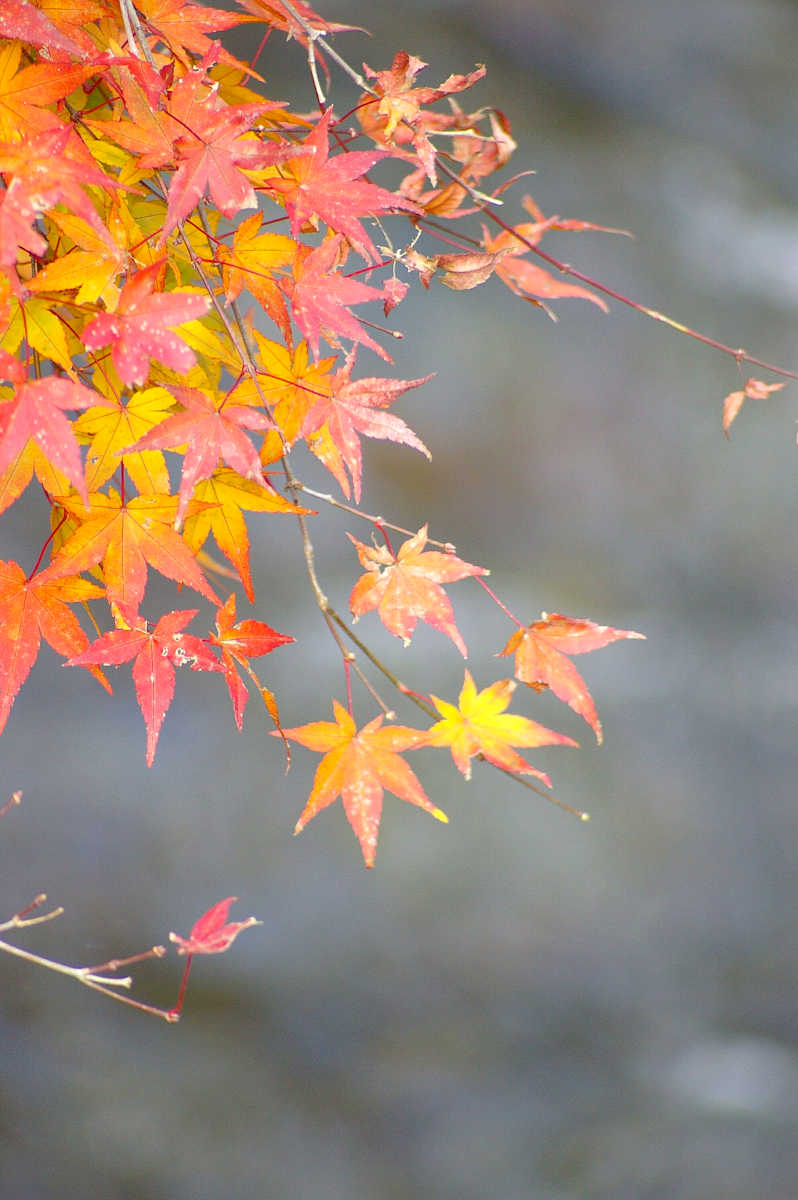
(125, 151)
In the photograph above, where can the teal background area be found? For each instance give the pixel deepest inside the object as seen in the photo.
(516, 1005)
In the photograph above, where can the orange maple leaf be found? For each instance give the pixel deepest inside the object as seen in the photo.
(24, 93)
(32, 609)
(250, 263)
(358, 765)
(406, 588)
(396, 117)
(125, 537)
(478, 724)
(541, 660)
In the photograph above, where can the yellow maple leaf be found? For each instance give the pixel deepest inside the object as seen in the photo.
(478, 724)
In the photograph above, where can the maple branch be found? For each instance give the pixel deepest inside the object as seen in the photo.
(527, 783)
(93, 978)
(740, 355)
(394, 679)
(448, 547)
(87, 975)
(486, 202)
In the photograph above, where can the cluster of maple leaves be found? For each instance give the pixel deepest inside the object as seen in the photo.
(133, 299)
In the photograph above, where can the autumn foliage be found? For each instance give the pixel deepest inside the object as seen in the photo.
(193, 281)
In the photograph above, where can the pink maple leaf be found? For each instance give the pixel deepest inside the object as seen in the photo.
(353, 408)
(210, 433)
(36, 412)
(213, 933)
(333, 190)
(319, 297)
(140, 328)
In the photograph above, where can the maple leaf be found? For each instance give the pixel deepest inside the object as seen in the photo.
(755, 389)
(117, 425)
(140, 328)
(406, 588)
(526, 278)
(250, 264)
(396, 117)
(51, 167)
(35, 412)
(91, 269)
(25, 93)
(315, 186)
(20, 20)
(289, 384)
(32, 609)
(156, 653)
(278, 16)
(184, 27)
(332, 425)
(238, 642)
(358, 765)
(478, 724)
(213, 933)
(541, 661)
(210, 155)
(220, 501)
(125, 537)
(319, 297)
(210, 433)
(20, 472)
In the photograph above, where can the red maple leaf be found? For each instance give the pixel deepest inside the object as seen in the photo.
(210, 434)
(315, 186)
(140, 327)
(156, 652)
(319, 297)
(213, 933)
(35, 411)
(358, 765)
(32, 609)
(332, 425)
(238, 642)
(541, 660)
(406, 588)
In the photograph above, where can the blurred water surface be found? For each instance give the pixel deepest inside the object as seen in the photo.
(516, 1005)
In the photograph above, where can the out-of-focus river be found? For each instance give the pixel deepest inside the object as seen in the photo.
(516, 1005)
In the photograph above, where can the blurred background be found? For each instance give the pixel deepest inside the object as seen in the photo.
(516, 1005)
